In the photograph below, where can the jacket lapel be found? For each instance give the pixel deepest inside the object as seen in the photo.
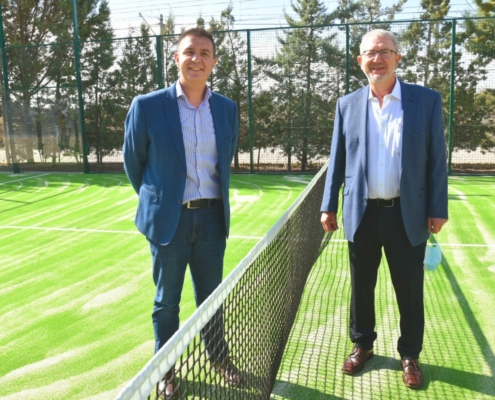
(408, 119)
(362, 127)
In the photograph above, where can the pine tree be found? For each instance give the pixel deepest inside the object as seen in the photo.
(474, 102)
(40, 113)
(230, 77)
(170, 39)
(97, 58)
(28, 26)
(301, 92)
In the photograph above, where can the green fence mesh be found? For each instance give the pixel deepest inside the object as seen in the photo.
(285, 82)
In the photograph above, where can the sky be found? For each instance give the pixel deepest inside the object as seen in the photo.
(249, 14)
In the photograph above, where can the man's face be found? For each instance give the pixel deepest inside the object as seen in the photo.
(195, 60)
(378, 69)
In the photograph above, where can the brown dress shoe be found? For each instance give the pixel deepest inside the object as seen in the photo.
(229, 372)
(356, 360)
(166, 387)
(412, 376)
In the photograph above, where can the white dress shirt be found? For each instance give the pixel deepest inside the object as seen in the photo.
(203, 179)
(384, 147)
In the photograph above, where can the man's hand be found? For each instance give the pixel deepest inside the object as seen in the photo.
(329, 221)
(435, 224)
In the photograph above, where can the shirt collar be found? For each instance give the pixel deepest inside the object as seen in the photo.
(396, 92)
(180, 92)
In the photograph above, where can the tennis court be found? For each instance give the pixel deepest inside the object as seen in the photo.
(75, 280)
(458, 357)
(76, 294)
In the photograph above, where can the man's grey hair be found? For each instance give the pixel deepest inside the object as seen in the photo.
(378, 32)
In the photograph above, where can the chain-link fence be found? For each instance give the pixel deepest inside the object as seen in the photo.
(285, 82)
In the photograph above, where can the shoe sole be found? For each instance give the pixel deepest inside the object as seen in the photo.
(368, 357)
(415, 387)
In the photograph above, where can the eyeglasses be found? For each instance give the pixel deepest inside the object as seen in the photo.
(385, 54)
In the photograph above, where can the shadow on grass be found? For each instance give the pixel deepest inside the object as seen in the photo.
(458, 361)
(32, 183)
(469, 316)
(293, 391)
(434, 373)
(254, 387)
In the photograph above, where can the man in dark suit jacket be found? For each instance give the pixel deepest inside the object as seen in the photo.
(388, 150)
(178, 148)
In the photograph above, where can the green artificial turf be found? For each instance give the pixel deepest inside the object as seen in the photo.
(458, 358)
(75, 278)
(76, 294)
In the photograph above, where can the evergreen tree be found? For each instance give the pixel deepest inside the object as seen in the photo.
(426, 45)
(218, 29)
(230, 76)
(301, 91)
(97, 58)
(171, 72)
(474, 102)
(136, 74)
(33, 66)
(137, 68)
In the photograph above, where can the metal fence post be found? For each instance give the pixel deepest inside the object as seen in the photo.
(159, 61)
(77, 55)
(250, 103)
(452, 95)
(8, 105)
(347, 59)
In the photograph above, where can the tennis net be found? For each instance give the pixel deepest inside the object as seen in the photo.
(248, 318)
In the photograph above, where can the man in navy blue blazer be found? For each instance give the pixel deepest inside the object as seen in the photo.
(178, 148)
(388, 150)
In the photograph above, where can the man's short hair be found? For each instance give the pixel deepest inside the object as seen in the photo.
(198, 32)
(378, 32)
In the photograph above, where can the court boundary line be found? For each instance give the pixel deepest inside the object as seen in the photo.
(83, 230)
(41, 228)
(23, 179)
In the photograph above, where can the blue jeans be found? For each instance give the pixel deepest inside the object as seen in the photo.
(200, 242)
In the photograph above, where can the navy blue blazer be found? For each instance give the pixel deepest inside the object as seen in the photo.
(155, 158)
(423, 177)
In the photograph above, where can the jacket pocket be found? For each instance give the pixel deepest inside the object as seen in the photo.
(149, 193)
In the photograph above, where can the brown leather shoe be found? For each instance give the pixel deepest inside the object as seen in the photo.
(166, 387)
(356, 360)
(412, 376)
(229, 372)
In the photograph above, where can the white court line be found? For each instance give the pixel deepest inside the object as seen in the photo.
(464, 245)
(440, 244)
(23, 179)
(245, 237)
(40, 228)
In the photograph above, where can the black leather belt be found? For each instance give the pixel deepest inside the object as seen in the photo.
(201, 203)
(384, 202)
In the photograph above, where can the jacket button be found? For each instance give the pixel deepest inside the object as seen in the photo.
(365, 199)
(179, 201)
(184, 175)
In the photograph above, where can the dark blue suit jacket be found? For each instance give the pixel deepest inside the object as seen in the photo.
(155, 158)
(423, 178)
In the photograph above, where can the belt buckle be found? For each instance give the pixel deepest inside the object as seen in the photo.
(393, 201)
(189, 207)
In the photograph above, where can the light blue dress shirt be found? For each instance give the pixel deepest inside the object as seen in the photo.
(203, 180)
